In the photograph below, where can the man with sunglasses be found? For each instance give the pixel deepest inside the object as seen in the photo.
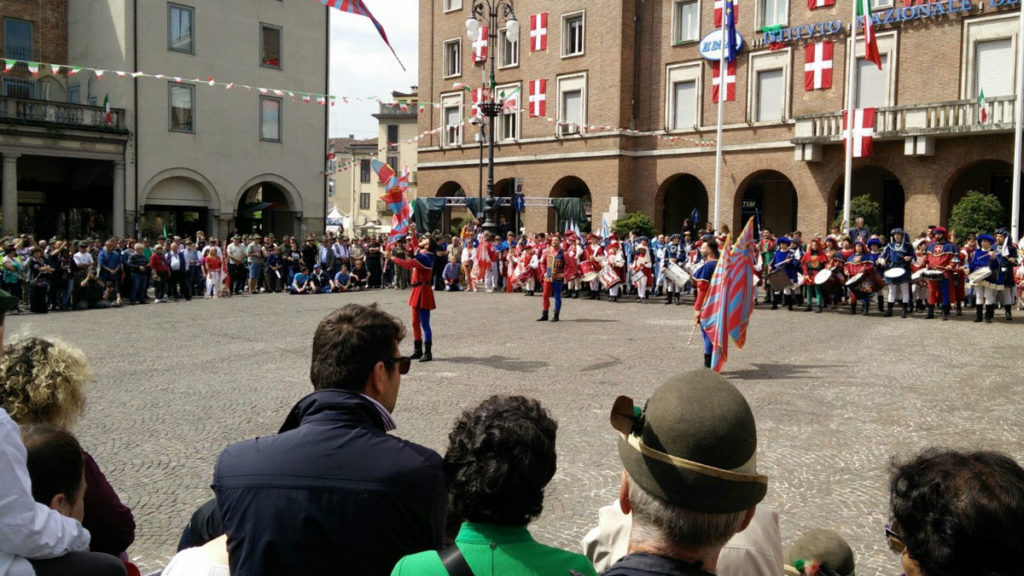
(333, 492)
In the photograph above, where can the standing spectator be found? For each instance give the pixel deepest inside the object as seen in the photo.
(110, 267)
(178, 264)
(399, 251)
(13, 272)
(213, 265)
(138, 265)
(309, 253)
(195, 267)
(236, 264)
(373, 263)
(291, 257)
(275, 272)
(161, 274)
(40, 273)
(333, 491)
(254, 256)
(356, 253)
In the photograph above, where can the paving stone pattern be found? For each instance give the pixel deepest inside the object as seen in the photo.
(836, 397)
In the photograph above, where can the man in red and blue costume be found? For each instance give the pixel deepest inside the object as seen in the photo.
(421, 297)
(554, 263)
(942, 255)
(702, 278)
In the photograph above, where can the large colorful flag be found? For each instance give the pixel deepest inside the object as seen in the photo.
(480, 45)
(719, 8)
(538, 97)
(358, 7)
(818, 66)
(740, 280)
(870, 43)
(863, 131)
(713, 315)
(539, 32)
(730, 81)
(396, 196)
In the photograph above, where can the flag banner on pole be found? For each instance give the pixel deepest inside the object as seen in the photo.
(713, 314)
(108, 117)
(480, 45)
(719, 8)
(740, 283)
(729, 31)
(396, 196)
(358, 7)
(730, 81)
(812, 4)
(538, 97)
(870, 42)
(982, 106)
(539, 32)
(863, 132)
(818, 66)
(509, 100)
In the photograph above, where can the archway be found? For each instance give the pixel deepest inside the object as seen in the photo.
(986, 176)
(265, 208)
(180, 201)
(570, 187)
(505, 216)
(883, 187)
(771, 197)
(453, 217)
(680, 195)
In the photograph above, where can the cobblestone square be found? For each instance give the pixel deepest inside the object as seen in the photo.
(835, 397)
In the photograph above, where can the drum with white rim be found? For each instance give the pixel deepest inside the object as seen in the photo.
(676, 274)
(778, 280)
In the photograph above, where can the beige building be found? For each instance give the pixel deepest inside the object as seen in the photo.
(201, 156)
(354, 187)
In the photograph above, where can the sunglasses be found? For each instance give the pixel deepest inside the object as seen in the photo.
(895, 541)
(404, 363)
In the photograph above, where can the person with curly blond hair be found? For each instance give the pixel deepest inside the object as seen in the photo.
(43, 382)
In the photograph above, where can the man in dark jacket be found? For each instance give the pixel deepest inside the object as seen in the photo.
(332, 492)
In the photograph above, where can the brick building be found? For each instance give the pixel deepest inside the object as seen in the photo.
(629, 111)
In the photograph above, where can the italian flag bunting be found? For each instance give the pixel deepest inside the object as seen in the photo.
(982, 107)
(870, 43)
(107, 116)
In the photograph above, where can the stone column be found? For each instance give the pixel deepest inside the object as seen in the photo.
(118, 214)
(10, 194)
(223, 228)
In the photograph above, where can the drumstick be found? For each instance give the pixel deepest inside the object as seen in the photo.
(692, 332)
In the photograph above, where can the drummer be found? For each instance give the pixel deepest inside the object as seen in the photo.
(766, 249)
(594, 253)
(1008, 258)
(874, 252)
(674, 254)
(860, 263)
(895, 260)
(814, 261)
(642, 264)
(941, 257)
(835, 263)
(988, 293)
(783, 259)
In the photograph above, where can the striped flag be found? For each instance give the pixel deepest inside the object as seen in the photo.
(358, 7)
(714, 313)
(740, 281)
(396, 197)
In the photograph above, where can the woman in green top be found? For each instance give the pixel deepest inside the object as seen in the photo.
(500, 457)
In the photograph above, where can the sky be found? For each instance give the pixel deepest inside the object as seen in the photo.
(362, 66)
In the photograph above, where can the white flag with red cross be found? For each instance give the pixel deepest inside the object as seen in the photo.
(480, 45)
(539, 32)
(812, 4)
(818, 66)
(479, 96)
(538, 97)
(863, 133)
(719, 6)
(730, 81)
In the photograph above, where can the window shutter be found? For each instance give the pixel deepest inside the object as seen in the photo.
(993, 67)
(685, 98)
(770, 89)
(872, 83)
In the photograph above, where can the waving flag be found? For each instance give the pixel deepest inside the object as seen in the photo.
(714, 313)
(396, 196)
(870, 43)
(729, 30)
(740, 281)
(358, 7)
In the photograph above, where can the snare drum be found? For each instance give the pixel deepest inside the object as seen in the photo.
(896, 275)
(588, 271)
(676, 274)
(979, 276)
(828, 282)
(637, 277)
(609, 278)
(779, 281)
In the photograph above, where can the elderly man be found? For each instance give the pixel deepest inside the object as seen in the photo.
(690, 474)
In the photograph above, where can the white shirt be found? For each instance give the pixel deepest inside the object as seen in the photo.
(83, 259)
(28, 529)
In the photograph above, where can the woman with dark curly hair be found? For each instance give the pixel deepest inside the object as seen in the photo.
(500, 457)
(958, 513)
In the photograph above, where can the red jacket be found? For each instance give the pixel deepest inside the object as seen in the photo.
(159, 265)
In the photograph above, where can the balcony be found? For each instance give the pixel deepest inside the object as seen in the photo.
(60, 115)
(936, 119)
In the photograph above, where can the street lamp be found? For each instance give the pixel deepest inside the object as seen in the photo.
(490, 9)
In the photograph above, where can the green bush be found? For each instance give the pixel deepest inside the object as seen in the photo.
(862, 207)
(641, 223)
(455, 228)
(974, 213)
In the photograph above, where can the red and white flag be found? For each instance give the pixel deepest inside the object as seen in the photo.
(871, 52)
(538, 98)
(818, 66)
(812, 4)
(539, 32)
(479, 95)
(720, 5)
(863, 133)
(480, 45)
(730, 81)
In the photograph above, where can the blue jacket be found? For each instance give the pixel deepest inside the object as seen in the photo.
(331, 493)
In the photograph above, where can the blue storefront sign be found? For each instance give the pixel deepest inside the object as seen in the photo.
(711, 45)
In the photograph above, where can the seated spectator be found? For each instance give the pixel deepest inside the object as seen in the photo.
(359, 275)
(819, 552)
(300, 282)
(451, 275)
(956, 513)
(689, 478)
(333, 492)
(500, 457)
(90, 292)
(44, 383)
(342, 282)
(318, 281)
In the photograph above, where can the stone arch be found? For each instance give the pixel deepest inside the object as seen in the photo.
(268, 204)
(289, 190)
(452, 189)
(153, 194)
(989, 176)
(676, 199)
(180, 201)
(569, 187)
(771, 196)
(883, 185)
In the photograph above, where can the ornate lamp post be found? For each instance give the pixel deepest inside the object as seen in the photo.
(491, 9)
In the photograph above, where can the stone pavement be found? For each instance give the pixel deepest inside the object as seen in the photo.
(836, 397)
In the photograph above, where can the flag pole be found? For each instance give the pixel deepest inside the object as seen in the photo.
(1018, 113)
(723, 87)
(851, 78)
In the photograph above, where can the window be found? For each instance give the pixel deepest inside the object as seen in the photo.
(452, 5)
(451, 118)
(392, 135)
(179, 28)
(364, 170)
(769, 81)
(18, 88)
(991, 74)
(508, 121)
(875, 88)
(182, 108)
(879, 4)
(270, 119)
(682, 99)
(75, 94)
(270, 46)
(508, 54)
(989, 51)
(393, 163)
(773, 12)
(572, 107)
(687, 21)
(364, 200)
(17, 39)
(452, 54)
(572, 34)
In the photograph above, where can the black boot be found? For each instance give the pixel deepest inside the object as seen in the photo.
(789, 303)
(707, 360)
(1009, 316)
(959, 310)
(888, 310)
(809, 306)
(990, 312)
(775, 302)
(931, 312)
(668, 298)
(978, 313)
(543, 316)
(945, 313)
(906, 310)
(881, 307)
(555, 318)
(819, 309)
(427, 356)
(867, 307)
(418, 347)
(575, 294)
(853, 307)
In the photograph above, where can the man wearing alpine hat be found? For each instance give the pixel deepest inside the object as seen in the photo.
(690, 474)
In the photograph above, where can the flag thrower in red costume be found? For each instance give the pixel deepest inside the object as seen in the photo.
(421, 297)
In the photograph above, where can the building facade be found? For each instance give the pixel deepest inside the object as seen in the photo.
(615, 106)
(209, 149)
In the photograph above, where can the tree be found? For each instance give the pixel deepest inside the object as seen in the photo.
(634, 221)
(974, 213)
(863, 207)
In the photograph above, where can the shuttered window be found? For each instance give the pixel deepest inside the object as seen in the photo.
(993, 71)
(684, 104)
(872, 83)
(770, 91)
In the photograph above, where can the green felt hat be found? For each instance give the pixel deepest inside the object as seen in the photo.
(694, 445)
(826, 548)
